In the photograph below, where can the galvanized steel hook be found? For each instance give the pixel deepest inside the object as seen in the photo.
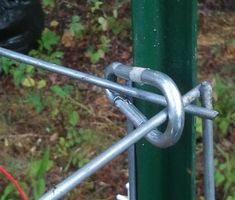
(166, 85)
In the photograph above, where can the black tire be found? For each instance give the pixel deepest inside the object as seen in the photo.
(21, 24)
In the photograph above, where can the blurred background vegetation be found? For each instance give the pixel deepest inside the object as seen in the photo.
(51, 125)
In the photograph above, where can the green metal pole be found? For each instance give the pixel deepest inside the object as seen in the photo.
(164, 39)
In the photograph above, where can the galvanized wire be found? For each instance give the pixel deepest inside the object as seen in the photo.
(144, 127)
(207, 138)
(116, 149)
(129, 91)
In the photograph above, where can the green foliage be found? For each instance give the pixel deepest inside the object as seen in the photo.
(10, 193)
(35, 101)
(119, 26)
(47, 48)
(76, 27)
(103, 23)
(7, 192)
(63, 91)
(95, 5)
(225, 173)
(73, 118)
(48, 3)
(35, 182)
(198, 127)
(20, 72)
(48, 40)
(70, 145)
(37, 171)
(61, 103)
(53, 57)
(225, 162)
(5, 64)
(96, 54)
(224, 104)
(41, 84)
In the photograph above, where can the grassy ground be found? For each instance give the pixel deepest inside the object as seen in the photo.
(51, 125)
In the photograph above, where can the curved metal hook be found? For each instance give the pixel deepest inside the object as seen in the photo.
(167, 87)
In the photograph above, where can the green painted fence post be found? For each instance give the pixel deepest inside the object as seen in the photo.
(164, 39)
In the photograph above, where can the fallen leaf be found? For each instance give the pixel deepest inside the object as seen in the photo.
(102, 100)
(54, 137)
(41, 84)
(68, 39)
(54, 23)
(28, 82)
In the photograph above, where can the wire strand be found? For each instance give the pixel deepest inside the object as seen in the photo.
(14, 182)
